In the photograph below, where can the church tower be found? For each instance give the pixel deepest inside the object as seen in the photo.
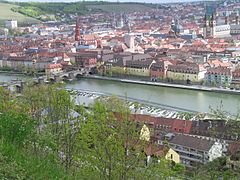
(227, 20)
(77, 31)
(209, 26)
(213, 24)
(206, 32)
(237, 18)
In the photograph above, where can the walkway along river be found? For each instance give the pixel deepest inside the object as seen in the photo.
(191, 100)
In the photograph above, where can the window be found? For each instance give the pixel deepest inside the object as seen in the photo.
(171, 156)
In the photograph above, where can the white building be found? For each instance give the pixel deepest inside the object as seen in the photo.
(195, 150)
(11, 24)
(129, 40)
(214, 30)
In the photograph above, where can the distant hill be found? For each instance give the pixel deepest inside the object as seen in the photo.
(31, 12)
(7, 13)
(120, 7)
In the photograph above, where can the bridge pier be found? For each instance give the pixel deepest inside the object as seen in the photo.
(19, 87)
(40, 80)
(57, 78)
(71, 75)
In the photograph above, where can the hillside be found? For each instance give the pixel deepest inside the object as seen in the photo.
(122, 7)
(7, 13)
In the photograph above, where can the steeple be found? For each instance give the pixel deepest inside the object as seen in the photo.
(237, 18)
(77, 30)
(213, 20)
(227, 20)
(114, 21)
(129, 25)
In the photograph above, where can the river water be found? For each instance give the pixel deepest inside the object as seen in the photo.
(200, 101)
(4, 77)
(188, 99)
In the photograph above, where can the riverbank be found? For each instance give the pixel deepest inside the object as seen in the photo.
(179, 86)
(12, 73)
(19, 73)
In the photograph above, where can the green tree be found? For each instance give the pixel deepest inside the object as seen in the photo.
(15, 127)
(109, 146)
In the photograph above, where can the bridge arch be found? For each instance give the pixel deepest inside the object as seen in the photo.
(64, 77)
(78, 75)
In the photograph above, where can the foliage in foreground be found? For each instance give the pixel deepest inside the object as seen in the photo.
(42, 137)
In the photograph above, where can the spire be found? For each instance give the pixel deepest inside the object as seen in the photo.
(226, 19)
(114, 20)
(77, 30)
(237, 18)
(129, 26)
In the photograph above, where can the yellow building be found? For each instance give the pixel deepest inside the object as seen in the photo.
(172, 156)
(186, 72)
(145, 133)
(158, 152)
(138, 68)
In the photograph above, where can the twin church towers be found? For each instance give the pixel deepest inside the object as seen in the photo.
(227, 28)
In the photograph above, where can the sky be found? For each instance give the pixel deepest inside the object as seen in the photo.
(146, 1)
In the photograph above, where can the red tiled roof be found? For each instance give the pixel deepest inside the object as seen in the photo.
(53, 66)
(220, 71)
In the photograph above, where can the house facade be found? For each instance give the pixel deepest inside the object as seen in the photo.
(155, 152)
(159, 70)
(138, 68)
(194, 150)
(53, 69)
(218, 76)
(186, 72)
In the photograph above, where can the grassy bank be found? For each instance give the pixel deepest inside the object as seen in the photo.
(6, 13)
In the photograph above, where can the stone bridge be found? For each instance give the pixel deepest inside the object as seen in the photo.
(71, 75)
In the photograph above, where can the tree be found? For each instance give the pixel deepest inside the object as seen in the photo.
(216, 169)
(109, 145)
(15, 127)
(8, 101)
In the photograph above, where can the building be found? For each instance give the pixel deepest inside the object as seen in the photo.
(87, 62)
(4, 31)
(77, 31)
(145, 133)
(155, 152)
(195, 150)
(176, 28)
(236, 79)
(187, 72)
(218, 76)
(234, 156)
(53, 69)
(214, 30)
(129, 40)
(159, 70)
(11, 24)
(139, 68)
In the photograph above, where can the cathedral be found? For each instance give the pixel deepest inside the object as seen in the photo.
(214, 30)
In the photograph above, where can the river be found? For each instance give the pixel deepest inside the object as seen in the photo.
(5, 77)
(200, 101)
